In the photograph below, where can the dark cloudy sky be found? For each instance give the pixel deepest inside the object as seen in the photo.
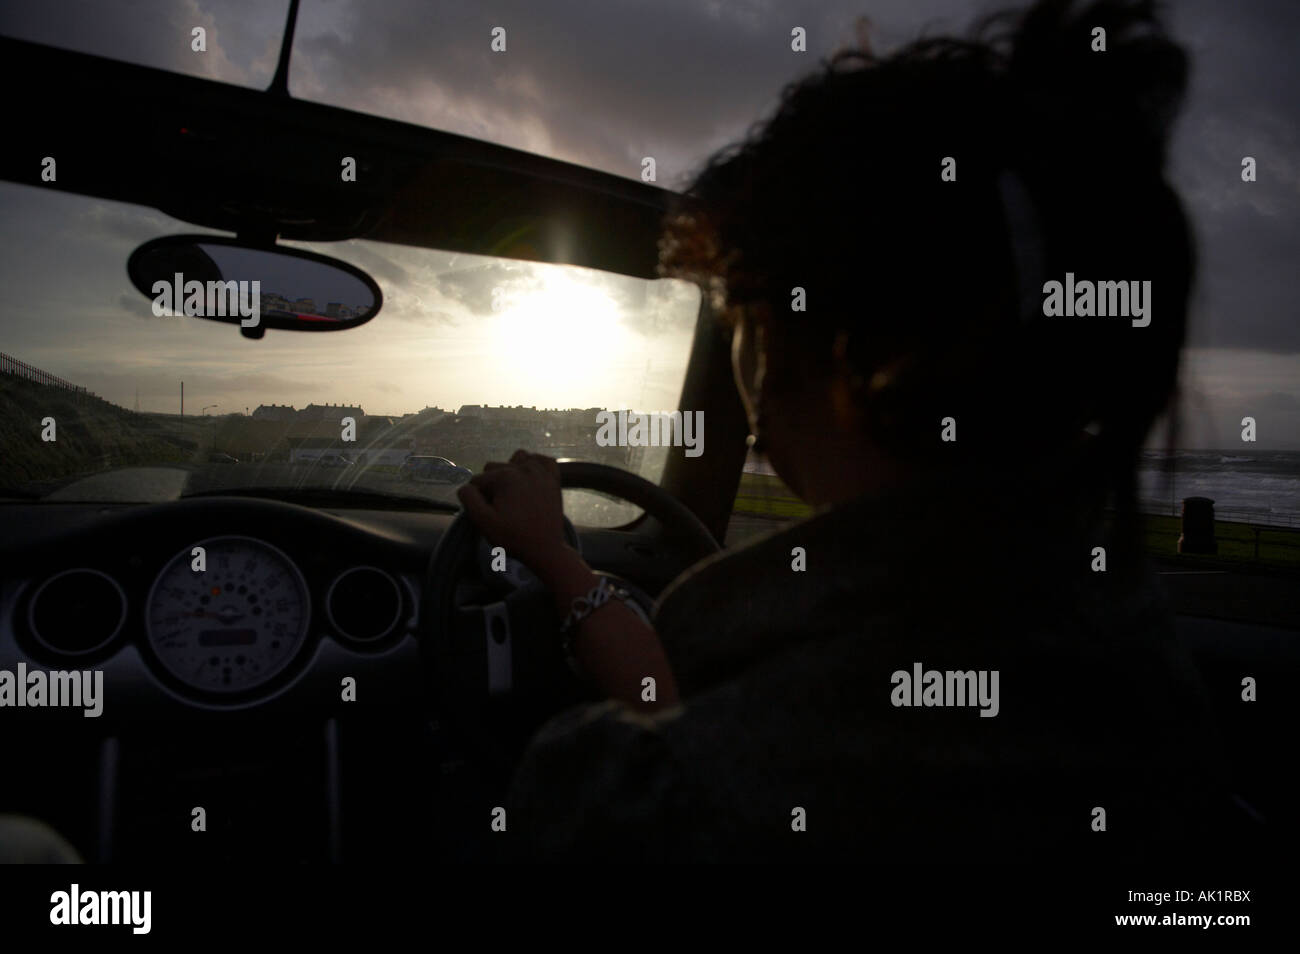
(605, 82)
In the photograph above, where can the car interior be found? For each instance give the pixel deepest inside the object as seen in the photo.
(399, 681)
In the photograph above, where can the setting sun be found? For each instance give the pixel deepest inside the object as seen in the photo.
(561, 329)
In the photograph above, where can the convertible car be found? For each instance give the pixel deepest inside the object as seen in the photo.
(347, 677)
(312, 663)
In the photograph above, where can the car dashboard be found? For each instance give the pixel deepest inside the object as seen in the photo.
(213, 604)
(261, 678)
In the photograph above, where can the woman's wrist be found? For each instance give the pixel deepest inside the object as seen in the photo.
(616, 648)
(565, 573)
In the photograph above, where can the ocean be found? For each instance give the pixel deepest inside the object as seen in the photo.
(1247, 486)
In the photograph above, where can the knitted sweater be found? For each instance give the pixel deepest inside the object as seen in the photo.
(849, 709)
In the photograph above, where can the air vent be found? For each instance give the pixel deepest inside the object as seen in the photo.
(77, 611)
(364, 603)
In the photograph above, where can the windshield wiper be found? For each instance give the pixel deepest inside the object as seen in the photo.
(329, 497)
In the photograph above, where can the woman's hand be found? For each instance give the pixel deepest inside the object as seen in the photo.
(518, 506)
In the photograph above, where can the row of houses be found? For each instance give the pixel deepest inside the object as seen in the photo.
(287, 413)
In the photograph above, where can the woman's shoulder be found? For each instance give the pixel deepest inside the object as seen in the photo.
(745, 603)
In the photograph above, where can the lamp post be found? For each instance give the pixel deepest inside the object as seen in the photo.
(205, 409)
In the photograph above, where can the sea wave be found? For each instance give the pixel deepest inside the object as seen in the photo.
(1263, 486)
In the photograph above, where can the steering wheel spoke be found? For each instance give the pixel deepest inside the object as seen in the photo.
(499, 633)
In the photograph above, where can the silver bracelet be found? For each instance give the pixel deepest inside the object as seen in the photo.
(584, 606)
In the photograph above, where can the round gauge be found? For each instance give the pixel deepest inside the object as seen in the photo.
(231, 621)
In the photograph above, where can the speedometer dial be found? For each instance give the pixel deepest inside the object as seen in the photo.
(233, 623)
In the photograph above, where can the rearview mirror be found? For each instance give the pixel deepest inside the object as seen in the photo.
(256, 287)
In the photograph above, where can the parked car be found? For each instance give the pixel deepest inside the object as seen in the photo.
(435, 469)
(333, 460)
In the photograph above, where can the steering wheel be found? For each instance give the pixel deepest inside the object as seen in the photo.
(494, 669)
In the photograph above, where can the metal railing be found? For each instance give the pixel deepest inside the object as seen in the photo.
(1227, 515)
(11, 365)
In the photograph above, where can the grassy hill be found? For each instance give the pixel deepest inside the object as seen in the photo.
(91, 435)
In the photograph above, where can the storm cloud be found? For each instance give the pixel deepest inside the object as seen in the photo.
(604, 84)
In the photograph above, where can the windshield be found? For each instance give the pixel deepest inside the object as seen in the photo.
(470, 358)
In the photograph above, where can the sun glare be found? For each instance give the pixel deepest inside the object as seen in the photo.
(561, 331)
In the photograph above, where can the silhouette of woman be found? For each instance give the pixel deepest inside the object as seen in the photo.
(961, 448)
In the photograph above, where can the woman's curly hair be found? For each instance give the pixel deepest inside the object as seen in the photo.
(840, 193)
